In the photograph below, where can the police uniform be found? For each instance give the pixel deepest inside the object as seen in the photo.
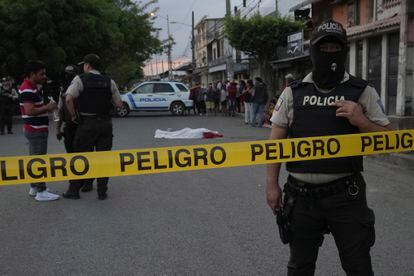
(7, 107)
(327, 195)
(95, 94)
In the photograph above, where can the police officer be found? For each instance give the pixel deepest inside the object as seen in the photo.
(328, 195)
(95, 95)
(64, 121)
(8, 96)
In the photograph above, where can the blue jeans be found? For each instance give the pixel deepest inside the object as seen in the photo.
(231, 106)
(37, 146)
(257, 111)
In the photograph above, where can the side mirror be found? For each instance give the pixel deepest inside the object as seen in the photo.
(134, 92)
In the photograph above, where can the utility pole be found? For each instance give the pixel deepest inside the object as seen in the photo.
(228, 8)
(277, 8)
(156, 65)
(169, 50)
(402, 67)
(152, 70)
(229, 51)
(193, 61)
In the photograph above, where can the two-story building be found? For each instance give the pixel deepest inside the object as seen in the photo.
(381, 43)
(202, 53)
(216, 59)
(218, 52)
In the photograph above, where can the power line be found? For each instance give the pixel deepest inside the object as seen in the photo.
(187, 47)
(222, 23)
(250, 4)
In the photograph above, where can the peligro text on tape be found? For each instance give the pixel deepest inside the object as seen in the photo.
(59, 167)
(329, 147)
(381, 142)
(40, 167)
(179, 158)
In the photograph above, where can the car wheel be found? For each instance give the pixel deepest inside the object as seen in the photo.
(123, 111)
(177, 108)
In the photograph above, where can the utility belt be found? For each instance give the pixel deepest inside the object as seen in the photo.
(97, 117)
(297, 187)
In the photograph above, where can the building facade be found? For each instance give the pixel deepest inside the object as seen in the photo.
(216, 59)
(203, 50)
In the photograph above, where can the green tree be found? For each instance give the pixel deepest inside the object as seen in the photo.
(61, 32)
(260, 37)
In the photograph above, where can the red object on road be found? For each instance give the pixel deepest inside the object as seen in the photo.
(208, 135)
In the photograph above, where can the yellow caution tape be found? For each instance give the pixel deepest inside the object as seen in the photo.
(58, 167)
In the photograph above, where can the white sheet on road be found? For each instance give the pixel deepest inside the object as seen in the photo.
(185, 133)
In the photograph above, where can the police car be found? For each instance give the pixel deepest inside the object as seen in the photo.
(156, 96)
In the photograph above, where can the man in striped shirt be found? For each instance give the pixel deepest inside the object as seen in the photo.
(35, 118)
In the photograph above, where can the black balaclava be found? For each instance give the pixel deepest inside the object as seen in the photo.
(328, 68)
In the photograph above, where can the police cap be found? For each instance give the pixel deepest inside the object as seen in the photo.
(329, 28)
(93, 60)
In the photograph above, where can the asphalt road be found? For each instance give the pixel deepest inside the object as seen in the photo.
(212, 222)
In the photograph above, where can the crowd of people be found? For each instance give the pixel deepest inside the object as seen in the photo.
(230, 97)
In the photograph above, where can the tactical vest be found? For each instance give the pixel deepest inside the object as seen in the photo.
(314, 115)
(96, 97)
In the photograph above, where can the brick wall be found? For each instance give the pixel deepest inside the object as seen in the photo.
(339, 12)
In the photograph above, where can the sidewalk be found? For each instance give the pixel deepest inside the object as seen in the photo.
(405, 159)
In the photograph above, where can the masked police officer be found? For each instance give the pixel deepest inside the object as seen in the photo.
(328, 195)
(95, 95)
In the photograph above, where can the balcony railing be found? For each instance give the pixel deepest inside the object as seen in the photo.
(387, 8)
(217, 61)
(387, 4)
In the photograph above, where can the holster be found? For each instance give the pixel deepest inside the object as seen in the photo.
(283, 217)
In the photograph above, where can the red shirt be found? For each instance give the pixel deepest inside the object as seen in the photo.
(29, 94)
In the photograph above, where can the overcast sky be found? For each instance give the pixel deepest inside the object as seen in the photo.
(180, 11)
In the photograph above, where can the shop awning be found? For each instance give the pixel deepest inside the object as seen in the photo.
(287, 62)
(217, 68)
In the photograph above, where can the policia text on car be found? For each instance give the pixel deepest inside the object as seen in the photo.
(58, 167)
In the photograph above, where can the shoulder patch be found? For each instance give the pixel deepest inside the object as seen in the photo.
(379, 102)
(278, 104)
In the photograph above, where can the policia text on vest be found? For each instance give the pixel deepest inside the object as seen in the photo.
(59, 167)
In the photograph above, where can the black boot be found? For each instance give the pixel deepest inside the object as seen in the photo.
(87, 187)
